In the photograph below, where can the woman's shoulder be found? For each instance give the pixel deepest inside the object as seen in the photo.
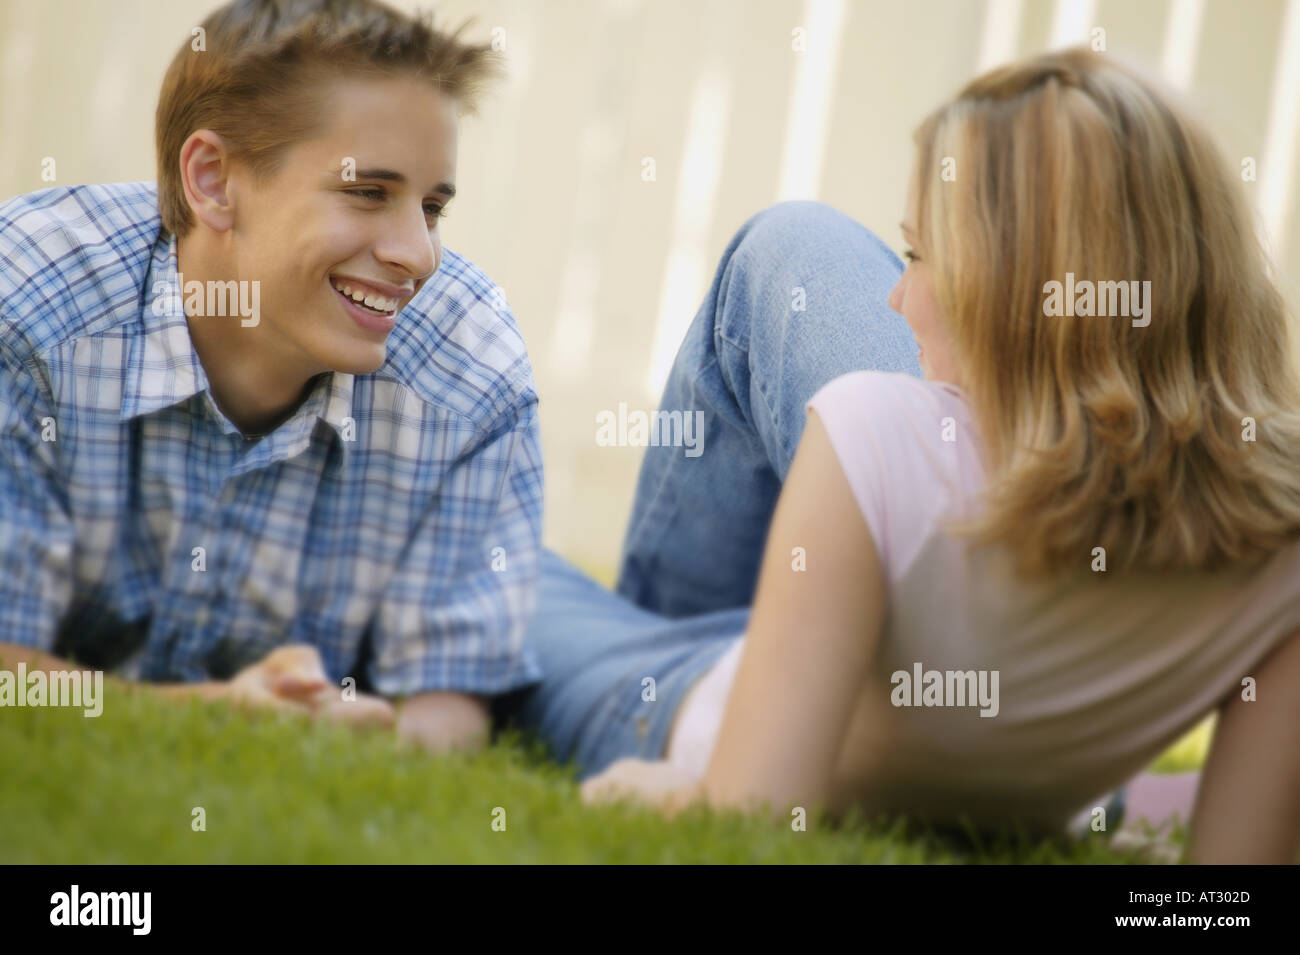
(881, 392)
(895, 407)
(908, 450)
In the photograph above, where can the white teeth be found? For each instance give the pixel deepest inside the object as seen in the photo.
(379, 303)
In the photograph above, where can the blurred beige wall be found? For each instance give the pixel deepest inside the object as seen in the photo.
(604, 269)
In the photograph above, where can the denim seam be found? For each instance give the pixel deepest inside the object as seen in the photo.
(724, 338)
(767, 403)
(658, 494)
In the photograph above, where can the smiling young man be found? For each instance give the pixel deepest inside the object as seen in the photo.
(342, 480)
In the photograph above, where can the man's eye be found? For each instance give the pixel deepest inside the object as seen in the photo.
(377, 195)
(911, 256)
(433, 210)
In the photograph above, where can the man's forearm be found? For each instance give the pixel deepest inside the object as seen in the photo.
(12, 654)
(439, 721)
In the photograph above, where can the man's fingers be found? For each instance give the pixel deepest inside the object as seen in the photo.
(369, 711)
(294, 673)
(301, 657)
(292, 678)
(298, 686)
(295, 662)
(250, 696)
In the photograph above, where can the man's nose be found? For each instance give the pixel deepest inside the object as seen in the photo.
(412, 246)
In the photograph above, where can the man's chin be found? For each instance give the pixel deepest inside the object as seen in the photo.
(359, 361)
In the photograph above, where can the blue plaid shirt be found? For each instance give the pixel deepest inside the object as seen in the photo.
(394, 521)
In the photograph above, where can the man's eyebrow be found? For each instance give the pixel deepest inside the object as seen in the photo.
(392, 175)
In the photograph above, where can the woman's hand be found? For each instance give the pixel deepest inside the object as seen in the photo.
(654, 784)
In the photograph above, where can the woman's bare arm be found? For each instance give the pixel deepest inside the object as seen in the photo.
(1248, 805)
(811, 638)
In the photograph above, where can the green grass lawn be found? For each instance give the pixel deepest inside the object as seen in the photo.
(122, 789)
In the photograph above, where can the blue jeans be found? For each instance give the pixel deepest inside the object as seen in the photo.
(799, 299)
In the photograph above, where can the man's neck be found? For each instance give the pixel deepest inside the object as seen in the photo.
(252, 381)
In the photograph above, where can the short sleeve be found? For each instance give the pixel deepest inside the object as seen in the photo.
(907, 449)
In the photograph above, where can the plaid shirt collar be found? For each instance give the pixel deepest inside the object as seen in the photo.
(164, 369)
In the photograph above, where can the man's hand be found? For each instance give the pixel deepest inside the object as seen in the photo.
(292, 679)
(363, 710)
(287, 678)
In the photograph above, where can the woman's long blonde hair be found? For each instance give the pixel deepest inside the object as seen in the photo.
(1098, 432)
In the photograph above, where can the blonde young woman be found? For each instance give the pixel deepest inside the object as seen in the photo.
(1102, 511)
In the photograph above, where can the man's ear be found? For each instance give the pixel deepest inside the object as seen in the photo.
(205, 176)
